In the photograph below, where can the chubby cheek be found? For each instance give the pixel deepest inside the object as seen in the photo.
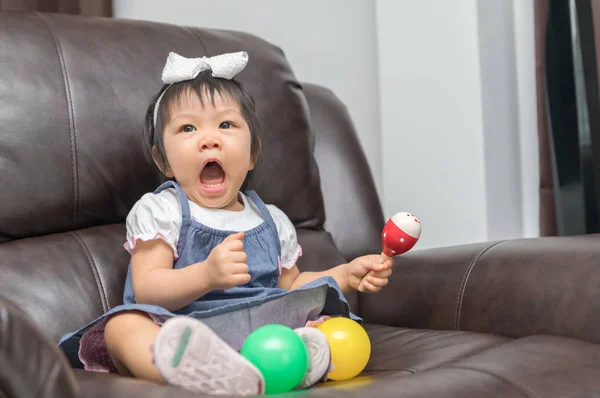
(241, 156)
(180, 164)
(179, 171)
(240, 168)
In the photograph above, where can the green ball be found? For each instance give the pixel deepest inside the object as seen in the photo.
(280, 355)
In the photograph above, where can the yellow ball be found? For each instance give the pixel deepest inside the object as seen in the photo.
(350, 347)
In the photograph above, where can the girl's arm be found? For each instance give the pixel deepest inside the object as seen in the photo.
(156, 282)
(348, 276)
(292, 278)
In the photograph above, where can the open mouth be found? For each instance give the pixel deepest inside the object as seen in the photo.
(212, 177)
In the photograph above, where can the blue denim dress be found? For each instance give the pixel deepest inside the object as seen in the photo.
(234, 313)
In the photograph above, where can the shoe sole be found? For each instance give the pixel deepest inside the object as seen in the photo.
(188, 354)
(318, 353)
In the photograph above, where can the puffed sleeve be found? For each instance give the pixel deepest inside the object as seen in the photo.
(154, 216)
(288, 240)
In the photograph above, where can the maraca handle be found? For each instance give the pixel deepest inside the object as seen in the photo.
(361, 285)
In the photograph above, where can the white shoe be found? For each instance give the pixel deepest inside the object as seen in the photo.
(319, 356)
(190, 355)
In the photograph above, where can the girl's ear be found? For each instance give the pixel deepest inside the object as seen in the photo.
(164, 168)
(255, 157)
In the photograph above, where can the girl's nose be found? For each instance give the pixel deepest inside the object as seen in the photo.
(209, 143)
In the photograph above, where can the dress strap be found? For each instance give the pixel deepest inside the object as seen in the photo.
(186, 215)
(264, 212)
(266, 215)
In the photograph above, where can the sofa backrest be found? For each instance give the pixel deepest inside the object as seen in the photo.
(73, 94)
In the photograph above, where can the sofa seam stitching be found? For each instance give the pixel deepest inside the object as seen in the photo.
(472, 354)
(409, 370)
(511, 381)
(453, 360)
(94, 269)
(465, 280)
(71, 115)
(199, 39)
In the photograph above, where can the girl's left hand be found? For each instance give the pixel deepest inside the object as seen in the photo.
(359, 267)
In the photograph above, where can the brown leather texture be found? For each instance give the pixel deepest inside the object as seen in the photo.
(493, 319)
(30, 363)
(72, 108)
(353, 211)
(65, 280)
(99, 8)
(513, 288)
(428, 363)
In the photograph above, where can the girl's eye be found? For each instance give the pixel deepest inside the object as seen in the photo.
(225, 125)
(188, 128)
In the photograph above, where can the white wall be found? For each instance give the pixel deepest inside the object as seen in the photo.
(442, 94)
(500, 119)
(432, 122)
(507, 59)
(330, 43)
(524, 42)
(458, 117)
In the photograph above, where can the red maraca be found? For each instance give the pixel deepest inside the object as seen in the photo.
(399, 235)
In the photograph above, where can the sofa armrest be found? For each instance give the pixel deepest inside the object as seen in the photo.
(30, 363)
(512, 288)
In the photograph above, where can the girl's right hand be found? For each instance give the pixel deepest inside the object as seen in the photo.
(226, 264)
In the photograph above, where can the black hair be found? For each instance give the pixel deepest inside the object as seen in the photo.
(203, 85)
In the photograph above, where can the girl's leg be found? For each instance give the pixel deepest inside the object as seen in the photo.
(190, 355)
(319, 356)
(128, 336)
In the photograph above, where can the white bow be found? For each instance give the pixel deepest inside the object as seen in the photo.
(224, 66)
(178, 69)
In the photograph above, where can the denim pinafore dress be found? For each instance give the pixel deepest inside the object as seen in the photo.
(234, 313)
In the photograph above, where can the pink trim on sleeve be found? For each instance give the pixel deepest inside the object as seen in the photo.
(130, 244)
(292, 260)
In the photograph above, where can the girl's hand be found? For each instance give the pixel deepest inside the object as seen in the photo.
(226, 265)
(359, 267)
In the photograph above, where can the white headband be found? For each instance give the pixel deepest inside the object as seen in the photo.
(178, 69)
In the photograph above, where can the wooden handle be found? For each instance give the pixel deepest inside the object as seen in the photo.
(361, 288)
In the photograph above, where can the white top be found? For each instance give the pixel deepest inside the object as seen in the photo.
(158, 216)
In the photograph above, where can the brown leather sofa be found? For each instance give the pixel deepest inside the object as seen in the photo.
(516, 318)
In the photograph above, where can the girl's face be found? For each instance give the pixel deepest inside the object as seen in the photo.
(208, 150)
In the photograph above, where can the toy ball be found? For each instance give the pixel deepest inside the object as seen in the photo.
(400, 234)
(350, 347)
(280, 355)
